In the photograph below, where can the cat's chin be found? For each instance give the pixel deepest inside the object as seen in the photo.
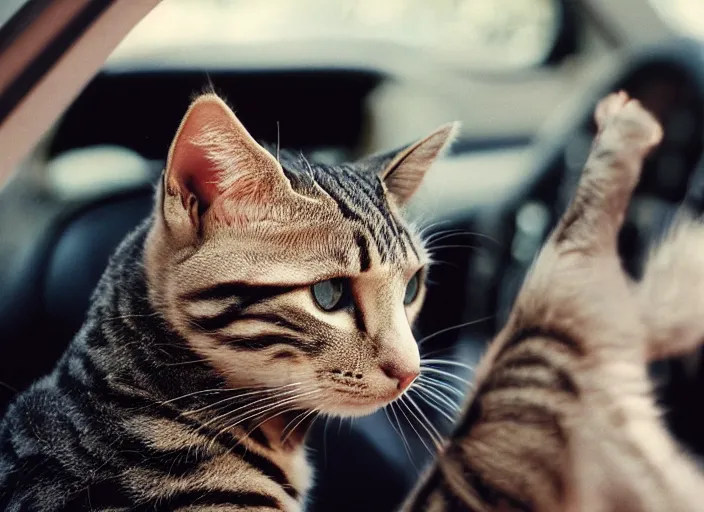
(357, 409)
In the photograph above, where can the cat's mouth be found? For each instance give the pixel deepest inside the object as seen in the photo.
(362, 404)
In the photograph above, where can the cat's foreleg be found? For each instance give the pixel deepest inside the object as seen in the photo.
(623, 458)
(549, 379)
(563, 418)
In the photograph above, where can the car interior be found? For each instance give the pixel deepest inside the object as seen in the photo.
(485, 208)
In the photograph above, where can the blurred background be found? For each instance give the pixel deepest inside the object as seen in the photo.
(339, 79)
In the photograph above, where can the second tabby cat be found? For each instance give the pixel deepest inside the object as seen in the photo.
(563, 418)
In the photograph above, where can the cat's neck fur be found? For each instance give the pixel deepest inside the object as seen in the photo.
(142, 355)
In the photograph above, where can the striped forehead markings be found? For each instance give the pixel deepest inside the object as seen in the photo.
(365, 260)
(334, 187)
(375, 195)
(354, 194)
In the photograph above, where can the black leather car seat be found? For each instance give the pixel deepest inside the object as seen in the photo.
(53, 249)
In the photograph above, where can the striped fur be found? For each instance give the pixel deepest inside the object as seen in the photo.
(107, 428)
(563, 418)
(203, 357)
(183, 388)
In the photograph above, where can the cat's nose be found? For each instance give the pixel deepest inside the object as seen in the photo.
(403, 376)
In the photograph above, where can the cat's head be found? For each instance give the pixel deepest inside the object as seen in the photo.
(286, 274)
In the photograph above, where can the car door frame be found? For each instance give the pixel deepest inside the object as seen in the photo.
(49, 50)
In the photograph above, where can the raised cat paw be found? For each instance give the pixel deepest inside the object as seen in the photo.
(619, 116)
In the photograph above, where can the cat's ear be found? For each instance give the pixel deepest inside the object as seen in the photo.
(214, 163)
(404, 173)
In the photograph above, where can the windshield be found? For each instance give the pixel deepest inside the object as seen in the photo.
(686, 16)
(474, 33)
(8, 8)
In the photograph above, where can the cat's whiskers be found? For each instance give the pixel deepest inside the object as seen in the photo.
(305, 414)
(441, 400)
(410, 423)
(133, 315)
(249, 433)
(140, 343)
(444, 374)
(404, 440)
(446, 362)
(438, 351)
(187, 395)
(452, 398)
(431, 250)
(325, 439)
(260, 411)
(286, 395)
(422, 231)
(255, 392)
(450, 233)
(452, 328)
(437, 383)
(305, 160)
(269, 418)
(293, 429)
(339, 425)
(399, 432)
(184, 363)
(290, 422)
(439, 391)
(435, 436)
(8, 387)
(452, 401)
(434, 405)
(428, 366)
(442, 234)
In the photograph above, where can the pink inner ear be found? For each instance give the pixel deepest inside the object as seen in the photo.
(214, 161)
(192, 172)
(191, 169)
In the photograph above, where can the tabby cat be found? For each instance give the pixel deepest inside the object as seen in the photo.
(260, 292)
(563, 418)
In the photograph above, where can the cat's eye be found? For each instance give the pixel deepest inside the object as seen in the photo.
(331, 294)
(412, 289)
